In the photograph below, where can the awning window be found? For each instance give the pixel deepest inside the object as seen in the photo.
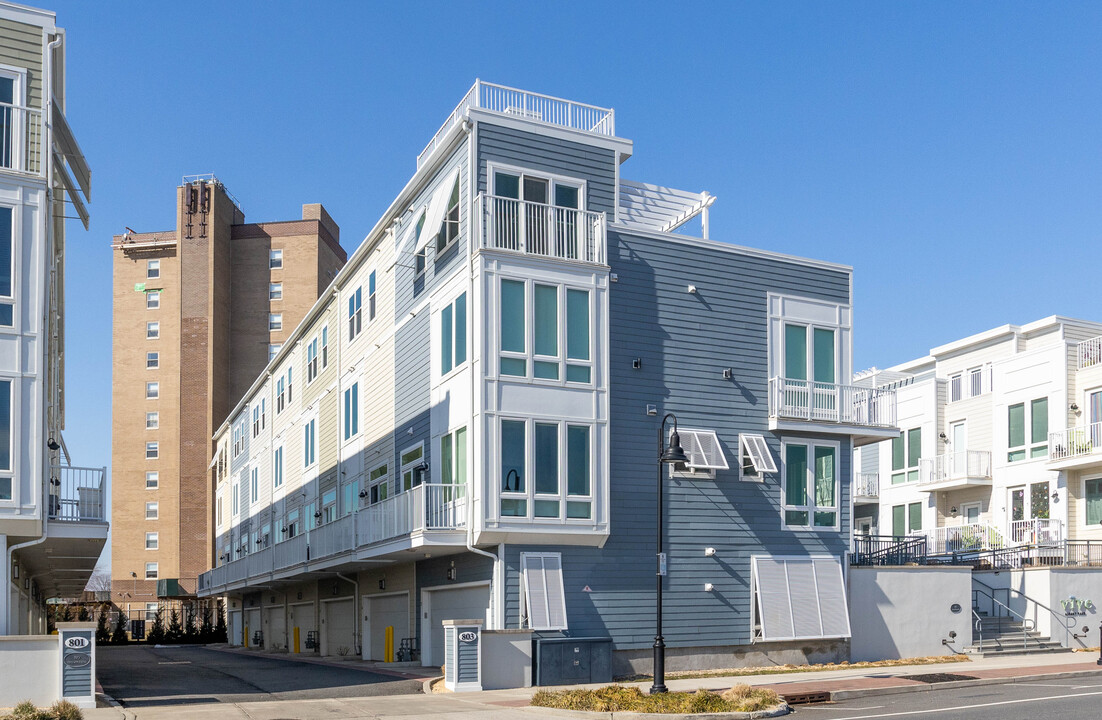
(544, 596)
(755, 449)
(799, 598)
(434, 217)
(703, 449)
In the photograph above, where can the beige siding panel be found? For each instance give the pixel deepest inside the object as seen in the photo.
(946, 501)
(325, 377)
(329, 432)
(976, 413)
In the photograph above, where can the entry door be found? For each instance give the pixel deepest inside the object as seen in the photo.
(11, 122)
(864, 526)
(959, 445)
(970, 513)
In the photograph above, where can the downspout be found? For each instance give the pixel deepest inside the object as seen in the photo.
(468, 126)
(355, 615)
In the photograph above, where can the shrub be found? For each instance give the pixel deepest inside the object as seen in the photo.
(103, 630)
(206, 628)
(175, 631)
(118, 636)
(65, 710)
(220, 634)
(621, 698)
(156, 633)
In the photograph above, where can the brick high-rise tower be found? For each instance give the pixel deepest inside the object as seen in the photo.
(198, 312)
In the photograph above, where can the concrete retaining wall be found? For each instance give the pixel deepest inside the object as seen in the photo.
(29, 667)
(506, 659)
(1049, 587)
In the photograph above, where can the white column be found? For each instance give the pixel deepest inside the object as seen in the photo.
(5, 585)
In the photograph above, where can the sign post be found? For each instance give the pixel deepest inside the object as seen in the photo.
(78, 663)
(462, 655)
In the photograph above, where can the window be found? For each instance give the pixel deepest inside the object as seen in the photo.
(449, 230)
(1037, 447)
(559, 464)
(152, 480)
(255, 484)
(5, 439)
(906, 451)
(513, 468)
(309, 442)
(150, 613)
(152, 330)
(152, 390)
(544, 596)
(153, 300)
(809, 353)
(311, 360)
(811, 485)
(754, 458)
(378, 485)
(453, 334)
(420, 260)
(411, 466)
(704, 452)
(352, 411)
(371, 296)
(281, 394)
(560, 322)
(453, 458)
(273, 350)
(275, 322)
(798, 598)
(152, 451)
(1093, 494)
(152, 360)
(151, 541)
(7, 255)
(971, 383)
(329, 505)
(355, 317)
(151, 511)
(275, 291)
(256, 420)
(277, 467)
(906, 519)
(275, 259)
(325, 347)
(512, 328)
(540, 210)
(218, 511)
(151, 571)
(152, 420)
(152, 269)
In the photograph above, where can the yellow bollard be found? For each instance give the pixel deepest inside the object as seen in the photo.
(296, 640)
(389, 650)
(246, 636)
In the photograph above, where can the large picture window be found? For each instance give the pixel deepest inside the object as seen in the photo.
(906, 452)
(1027, 431)
(453, 334)
(558, 320)
(811, 485)
(557, 456)
(7, 266)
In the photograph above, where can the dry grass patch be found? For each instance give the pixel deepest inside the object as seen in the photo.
(782, 669)
(622, 698)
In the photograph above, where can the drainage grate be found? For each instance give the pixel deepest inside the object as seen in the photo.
(937, 677)
(804, 698)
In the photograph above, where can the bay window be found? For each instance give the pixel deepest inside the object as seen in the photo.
(557, 456)
(558, 345)
(811, 485)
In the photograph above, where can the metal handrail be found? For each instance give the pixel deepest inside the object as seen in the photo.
(1025, 620)
(1063, 618)
(979, 625)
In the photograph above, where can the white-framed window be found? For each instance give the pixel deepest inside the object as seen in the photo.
(152, 450)
(906, 519)
(449, 227)
(152, 390)
(273, 350)
(152, 330)
(275, 322)
(378, 484)
(352, 411)
(811, 489)
(705, 454)
(544, 593)
(218, 510)
(453, 334)
(151, 541)
(152, 480)
(755, 459)
(256, 420)
(152, 360)
(544, 327)
(277, 467)
(453, 457)
(281, 394)
(546, 469)
(151, 510)
(275, 291)
(420, 260)
(311, 360)
(798, 598)
(151, 571)
(150, 613)
(355, 313)
(410, 467)
(323, 353)
(906, 452)
(153, 300)
(152, 269)
(540, 189)
(275, 259)
(309, 443)
(152, 420)
(371, 296)
(1027, 430)
(6, 432)
(7, 257)
(255, 478)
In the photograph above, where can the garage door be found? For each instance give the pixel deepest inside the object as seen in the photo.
(458, 604)
(340, 627)
(235, 627)
(301, 619)
(252, 626)
(383, 612)
(275, 634)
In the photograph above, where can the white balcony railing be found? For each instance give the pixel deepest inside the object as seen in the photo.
(527, 105)
(1036, 531)
(959, 538)
(866, 485)
(20, 139)
(955, 466)
(1075, 442)
(828, 402)
(76, 494)
(1089, 352)
(537, 229)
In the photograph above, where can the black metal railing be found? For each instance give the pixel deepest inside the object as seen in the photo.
(888, 550)
(1054, 554)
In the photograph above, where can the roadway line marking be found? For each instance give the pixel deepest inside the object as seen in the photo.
(1049, 685)
(174, 662)
(958, 708)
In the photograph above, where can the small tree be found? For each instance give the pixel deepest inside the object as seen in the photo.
(118, 637)
(156, 633)
(220, 634)
(175, 629)
(84, 615)
(103, 631)
(51, 619)
(66, 614)
(206, 627)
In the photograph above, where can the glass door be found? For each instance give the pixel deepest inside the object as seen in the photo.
(536, 191)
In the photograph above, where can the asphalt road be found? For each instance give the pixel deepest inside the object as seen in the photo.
(1061, 699)
(141, 676)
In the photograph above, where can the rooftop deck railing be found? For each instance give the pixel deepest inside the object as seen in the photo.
(527, 105)
(538, 229)
(1089, 352)
(829, 402)
(76, 494)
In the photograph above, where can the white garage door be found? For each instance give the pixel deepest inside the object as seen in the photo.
(457, 604)
(275, 635)
(383, 612)
(302, 619)
(340, 627)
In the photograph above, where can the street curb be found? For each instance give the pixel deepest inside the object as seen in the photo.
(126, 714)
(778, 711)
(980, 682)
(426, 686)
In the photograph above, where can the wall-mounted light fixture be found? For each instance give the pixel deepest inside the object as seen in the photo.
(953, 510)
(15, 571)
(636, 363)
(652, 409)
(1055, 496)
(52, 444)
(382, 583)
(943, 436)
(728, 373)
(709, 551)
(708, 587)
(692, 289)
(1074, 407)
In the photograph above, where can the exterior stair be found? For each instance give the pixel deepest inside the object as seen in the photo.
(1003, 636)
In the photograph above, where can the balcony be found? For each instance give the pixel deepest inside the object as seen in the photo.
(1075, 448)
(1037, 531)
(866, 414)
(964, 538)
(77, 493)
(955, 470)
(21, 139)
(866, 488)
(541, 230)
(1089, 353)
(528, 106)
(425, 515)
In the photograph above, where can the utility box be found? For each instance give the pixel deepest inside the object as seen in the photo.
(463, 655)
(78, 663)
(573, 661)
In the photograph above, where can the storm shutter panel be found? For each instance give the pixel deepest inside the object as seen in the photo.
(703, 449)
(800, 598)
(544, 597)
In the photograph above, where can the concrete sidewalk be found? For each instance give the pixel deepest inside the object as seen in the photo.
(504, 704)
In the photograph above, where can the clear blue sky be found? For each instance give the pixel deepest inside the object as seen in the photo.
(950, 152)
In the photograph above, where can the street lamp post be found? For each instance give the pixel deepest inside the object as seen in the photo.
(673, 454)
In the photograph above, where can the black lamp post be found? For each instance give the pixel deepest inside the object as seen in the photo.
(672, 454)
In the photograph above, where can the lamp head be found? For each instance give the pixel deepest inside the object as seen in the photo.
(674, 453)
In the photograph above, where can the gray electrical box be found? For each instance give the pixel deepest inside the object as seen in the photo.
(462, 655)
(571, 661)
